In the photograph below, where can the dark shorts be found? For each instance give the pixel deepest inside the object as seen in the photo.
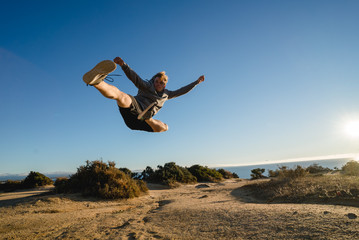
(130, 114)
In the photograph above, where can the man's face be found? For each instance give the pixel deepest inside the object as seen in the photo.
(159, 85)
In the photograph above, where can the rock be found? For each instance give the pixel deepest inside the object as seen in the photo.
(326, 212)
(352, 216)
(202, 186)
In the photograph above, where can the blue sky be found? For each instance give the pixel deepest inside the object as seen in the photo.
(281, 81)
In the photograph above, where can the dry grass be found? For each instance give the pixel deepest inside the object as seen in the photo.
(329, 188)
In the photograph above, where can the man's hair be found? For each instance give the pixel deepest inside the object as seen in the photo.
(162, 76)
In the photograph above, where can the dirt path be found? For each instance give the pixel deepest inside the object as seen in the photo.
(202, 211)
(21, 194)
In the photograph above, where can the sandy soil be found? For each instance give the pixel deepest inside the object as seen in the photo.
(201, 211)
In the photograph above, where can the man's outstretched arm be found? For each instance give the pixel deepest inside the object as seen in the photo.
(185, 89)
(132, 75)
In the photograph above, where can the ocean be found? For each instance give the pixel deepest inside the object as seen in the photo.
(245, 171)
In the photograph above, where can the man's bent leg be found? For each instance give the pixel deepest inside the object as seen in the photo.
(157, 125)
(112, 92)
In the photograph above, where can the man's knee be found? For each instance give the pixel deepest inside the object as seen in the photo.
(123, 100)
(157, 125)
(163, 128)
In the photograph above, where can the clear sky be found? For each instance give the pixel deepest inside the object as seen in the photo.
(282, 81)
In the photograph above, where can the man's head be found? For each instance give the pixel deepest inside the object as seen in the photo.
(160, 81)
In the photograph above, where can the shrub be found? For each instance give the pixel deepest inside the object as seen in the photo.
(351, 168)
(11, 185)
(103, 180)
(315, 168)
(257, 173)
(285, 173)
(36, 179)
(227, 174)
(62, 185)
(204, 174)
(272, 173)
(169, 174)
(126, 170)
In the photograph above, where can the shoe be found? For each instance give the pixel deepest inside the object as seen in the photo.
(99, 72)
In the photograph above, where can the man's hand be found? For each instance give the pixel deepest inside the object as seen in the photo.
(200, 79)
(119, 61)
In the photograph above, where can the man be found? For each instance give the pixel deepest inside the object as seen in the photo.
(137, 111)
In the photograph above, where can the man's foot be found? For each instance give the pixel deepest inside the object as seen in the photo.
(99, 72)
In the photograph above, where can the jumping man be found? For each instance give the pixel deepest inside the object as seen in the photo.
(137, 111)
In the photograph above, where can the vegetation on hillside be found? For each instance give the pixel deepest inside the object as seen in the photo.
(313, 183)
(298, 184)
(171, 174)
(104, 180)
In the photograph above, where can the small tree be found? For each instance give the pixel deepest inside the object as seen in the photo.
(257, 173)
(147, 174)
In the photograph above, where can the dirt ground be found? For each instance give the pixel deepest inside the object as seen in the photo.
(201, 211)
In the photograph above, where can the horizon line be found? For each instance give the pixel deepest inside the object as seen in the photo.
(354, 156)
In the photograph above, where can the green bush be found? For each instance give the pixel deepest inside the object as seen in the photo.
(36, 179)
(227, 174)
(205, 174)
(351, 168)
(102, 180)
(169, 174)
(257, 173)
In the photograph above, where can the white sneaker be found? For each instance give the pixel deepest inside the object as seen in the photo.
(99, 72)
